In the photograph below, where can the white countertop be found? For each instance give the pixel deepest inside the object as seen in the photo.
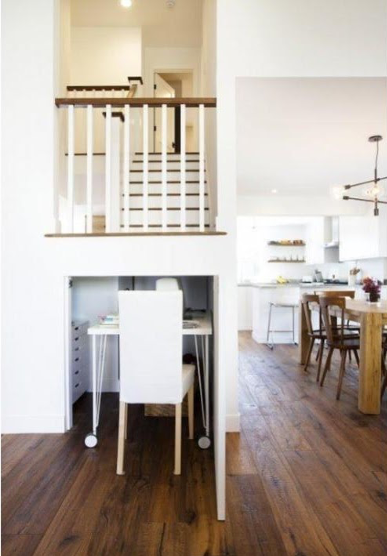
(293, 285)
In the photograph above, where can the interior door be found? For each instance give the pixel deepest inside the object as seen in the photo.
(164, 90)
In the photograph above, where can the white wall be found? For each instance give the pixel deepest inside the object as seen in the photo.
(105, 55)
(32, 287)
(101, 56)
(208, 69)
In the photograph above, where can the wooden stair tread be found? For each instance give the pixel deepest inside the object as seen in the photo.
(160, 194)
(138, 234)
(168, 208)
(168, 182)
(168, 170)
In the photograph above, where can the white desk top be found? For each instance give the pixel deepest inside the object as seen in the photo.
(203, 320)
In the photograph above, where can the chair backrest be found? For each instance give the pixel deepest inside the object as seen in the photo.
(338, 293)
(151, 346)
(167, 284)
(306, 300)
(334, 332)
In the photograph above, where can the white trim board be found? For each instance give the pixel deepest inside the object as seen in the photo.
(28, 424)
(233, 422)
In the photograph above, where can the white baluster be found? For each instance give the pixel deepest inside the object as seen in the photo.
(145, 165)
(164, 167)
(89, 170)
(126, 166)
(70, 168)
(201, 167)
(182, 167)
(108, 154)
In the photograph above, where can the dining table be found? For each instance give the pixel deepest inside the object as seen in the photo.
(372, 318)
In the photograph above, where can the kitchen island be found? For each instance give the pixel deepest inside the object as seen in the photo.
(254, 300)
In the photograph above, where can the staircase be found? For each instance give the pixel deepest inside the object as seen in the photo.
(136, 193)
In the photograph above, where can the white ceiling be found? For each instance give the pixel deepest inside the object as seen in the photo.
(301, 136)
(179, 26)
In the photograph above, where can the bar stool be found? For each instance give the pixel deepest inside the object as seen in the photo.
(270, 331)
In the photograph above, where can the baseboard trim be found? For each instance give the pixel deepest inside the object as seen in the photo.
(30, 424)
(233, 422)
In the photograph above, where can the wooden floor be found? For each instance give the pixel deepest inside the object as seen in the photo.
(306, 476)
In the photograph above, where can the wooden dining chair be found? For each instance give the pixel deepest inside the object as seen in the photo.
(384, 366)
(337, 336)
(313, 333)
(151, 360)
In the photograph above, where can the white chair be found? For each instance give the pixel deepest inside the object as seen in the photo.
(151, 367)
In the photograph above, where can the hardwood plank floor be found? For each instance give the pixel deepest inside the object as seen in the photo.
(306, 476)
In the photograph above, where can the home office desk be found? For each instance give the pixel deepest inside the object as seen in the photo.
(203, 330)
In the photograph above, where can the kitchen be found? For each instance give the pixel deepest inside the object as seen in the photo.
(280, 258)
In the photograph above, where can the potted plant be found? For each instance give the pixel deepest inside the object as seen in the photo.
(372, 287)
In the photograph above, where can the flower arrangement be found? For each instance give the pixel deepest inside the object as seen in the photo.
(372, 287)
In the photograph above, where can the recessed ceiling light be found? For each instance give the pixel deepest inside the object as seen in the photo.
(126, 3)
(274, 191)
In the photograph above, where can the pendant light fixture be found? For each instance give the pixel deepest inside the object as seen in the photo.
(373, 190)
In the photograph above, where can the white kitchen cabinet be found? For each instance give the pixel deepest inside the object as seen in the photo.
(245, 307)
(363, 237)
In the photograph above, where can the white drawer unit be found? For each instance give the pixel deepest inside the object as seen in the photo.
(79, 365)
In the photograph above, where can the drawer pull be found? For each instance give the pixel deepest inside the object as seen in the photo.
(76, 339)
(77, 359)
(76, 328)
(76, 386)
(76, 373)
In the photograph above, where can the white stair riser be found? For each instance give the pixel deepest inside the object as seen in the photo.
(171, 188)
(170, 156)
(192, 217)
(170, 165)
(156, 176)
(172, 202)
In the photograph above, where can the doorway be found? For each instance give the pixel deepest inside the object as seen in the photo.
(173, 84)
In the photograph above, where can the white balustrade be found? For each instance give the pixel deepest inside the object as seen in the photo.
(183, 119)
(121, 142)
(164, 167)
(89, 171)
(70, 168)
(201, 168)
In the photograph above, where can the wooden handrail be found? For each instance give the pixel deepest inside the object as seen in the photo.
(135, 78)
(208, 102)
(98, 87)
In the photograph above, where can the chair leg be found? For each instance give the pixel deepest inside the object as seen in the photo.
(384, 385)
(327, 366)
(271, 346)
(318, 352)
(320, 358)
(177, 470)
(191, 392)
(341, 375)
(357, 357)
(121, 439)
(126, 421)
(309, 354)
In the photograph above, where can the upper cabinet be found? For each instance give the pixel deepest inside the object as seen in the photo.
(363, 237)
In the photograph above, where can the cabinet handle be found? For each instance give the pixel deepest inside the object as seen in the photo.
(76, 373)
(77, 359)
(76, 386)
(76, 328)
(76, 339)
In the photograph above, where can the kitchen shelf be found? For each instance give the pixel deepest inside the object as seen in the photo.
(285, 261)
(279, 244)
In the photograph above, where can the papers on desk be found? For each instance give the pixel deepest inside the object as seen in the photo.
(188, 324)
(109, 320)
